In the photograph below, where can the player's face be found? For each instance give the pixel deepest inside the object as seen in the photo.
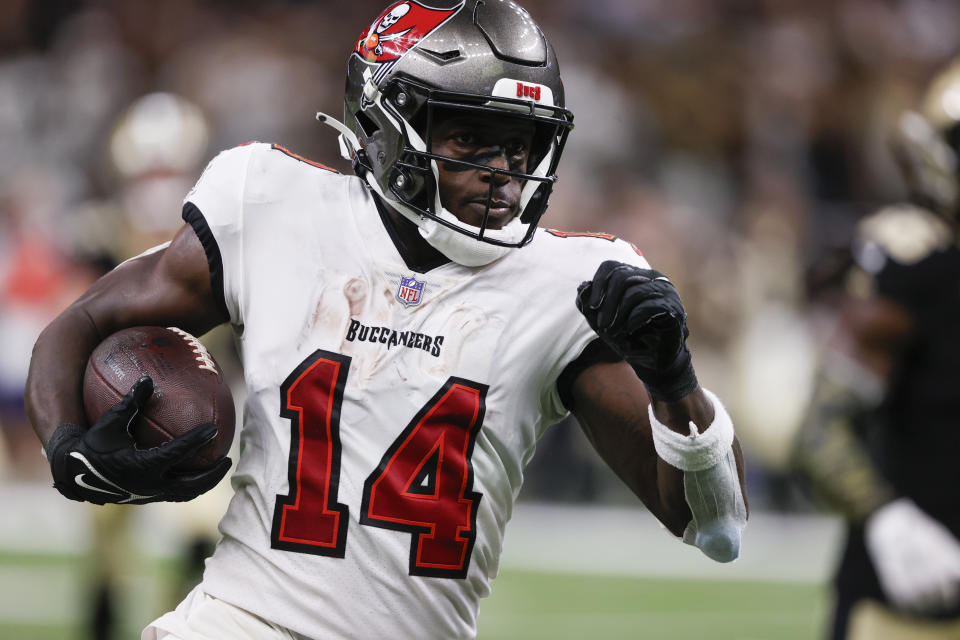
(497, 142)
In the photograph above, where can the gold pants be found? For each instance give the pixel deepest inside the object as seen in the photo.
(870, 620)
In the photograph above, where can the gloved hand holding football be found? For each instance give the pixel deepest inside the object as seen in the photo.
(103, 464)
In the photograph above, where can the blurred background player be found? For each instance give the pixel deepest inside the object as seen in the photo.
(881, 442)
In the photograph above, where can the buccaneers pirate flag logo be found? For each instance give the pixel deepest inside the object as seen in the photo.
(398, 29)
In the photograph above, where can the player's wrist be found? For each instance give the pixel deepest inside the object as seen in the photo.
(701, 446)
(878, 504)
(61, 438)
(60, 443)
(671, 384)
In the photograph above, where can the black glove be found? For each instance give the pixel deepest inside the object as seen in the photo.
(639, 314)
(103, 464)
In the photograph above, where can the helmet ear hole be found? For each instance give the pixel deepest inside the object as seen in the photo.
(368, 126)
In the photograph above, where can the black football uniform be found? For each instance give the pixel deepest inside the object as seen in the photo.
(909, 256)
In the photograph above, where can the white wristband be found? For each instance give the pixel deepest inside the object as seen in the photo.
(699, 450)
(711, 485)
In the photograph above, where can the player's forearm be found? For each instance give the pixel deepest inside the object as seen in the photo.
(713, 486)
(54, 390)
(625, 446)
(695, 407)
(611, 406)
(830, 457)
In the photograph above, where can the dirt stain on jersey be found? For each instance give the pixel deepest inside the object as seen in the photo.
(355, 291)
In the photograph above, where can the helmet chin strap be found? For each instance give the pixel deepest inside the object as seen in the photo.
(457, 246)
(463, 249)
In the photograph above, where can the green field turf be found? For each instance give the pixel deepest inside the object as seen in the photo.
(524, 605)
(533, 605)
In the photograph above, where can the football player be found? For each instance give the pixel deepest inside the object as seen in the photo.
(407, 335)
(881, 441)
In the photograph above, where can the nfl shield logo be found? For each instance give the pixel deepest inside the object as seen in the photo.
(409, 291)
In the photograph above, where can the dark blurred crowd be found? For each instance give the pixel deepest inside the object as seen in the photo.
(735, 142)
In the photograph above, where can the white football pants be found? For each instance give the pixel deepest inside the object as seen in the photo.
(202, 617)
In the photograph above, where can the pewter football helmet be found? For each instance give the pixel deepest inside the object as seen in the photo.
(472, 56)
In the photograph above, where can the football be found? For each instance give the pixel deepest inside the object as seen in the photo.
(189, 388)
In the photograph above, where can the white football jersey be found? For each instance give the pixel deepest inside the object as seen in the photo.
(389, 413)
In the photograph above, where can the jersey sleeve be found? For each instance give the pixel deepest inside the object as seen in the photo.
(577, 345)
(214, 208)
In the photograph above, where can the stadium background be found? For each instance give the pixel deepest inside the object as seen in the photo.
(735, 141)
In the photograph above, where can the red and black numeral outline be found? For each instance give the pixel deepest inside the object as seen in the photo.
(416, 529)
(330, 386)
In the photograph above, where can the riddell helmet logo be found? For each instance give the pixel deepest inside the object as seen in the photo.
(399, 29)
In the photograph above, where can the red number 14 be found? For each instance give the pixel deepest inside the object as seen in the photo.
(422, 486)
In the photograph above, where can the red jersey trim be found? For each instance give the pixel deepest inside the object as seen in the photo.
(302, 159)
(574, 234)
